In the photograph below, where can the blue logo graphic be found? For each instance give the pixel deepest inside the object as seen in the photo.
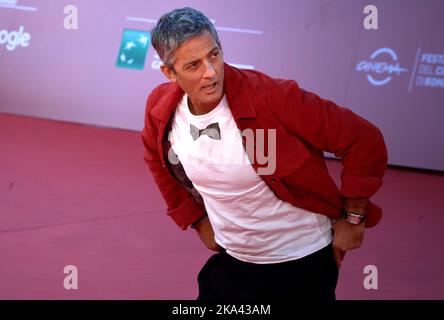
(376, 69)
(133, 49)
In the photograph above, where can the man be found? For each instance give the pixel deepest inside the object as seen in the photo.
(280, 232)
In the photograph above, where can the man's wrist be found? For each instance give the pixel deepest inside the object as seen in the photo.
(358, 205)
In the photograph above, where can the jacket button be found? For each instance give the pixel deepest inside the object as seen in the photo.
(272, 180)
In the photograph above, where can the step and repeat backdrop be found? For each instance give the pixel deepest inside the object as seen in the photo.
(91, 62)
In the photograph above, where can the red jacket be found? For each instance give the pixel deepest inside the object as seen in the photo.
(305, 126)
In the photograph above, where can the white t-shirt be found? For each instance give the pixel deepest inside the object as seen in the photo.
(248, 219)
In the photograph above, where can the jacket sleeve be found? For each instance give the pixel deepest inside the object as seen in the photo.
(329, 127)
(181, 205)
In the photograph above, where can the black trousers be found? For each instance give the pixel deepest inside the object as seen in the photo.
(313, 277)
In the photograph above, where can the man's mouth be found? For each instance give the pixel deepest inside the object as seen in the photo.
(210, 86)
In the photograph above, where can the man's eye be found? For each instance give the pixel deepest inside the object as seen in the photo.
(193, 65)
(215, 54)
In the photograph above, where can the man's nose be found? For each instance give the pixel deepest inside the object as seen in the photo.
(209, 70)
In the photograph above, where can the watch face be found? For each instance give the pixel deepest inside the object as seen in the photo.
(354, 219)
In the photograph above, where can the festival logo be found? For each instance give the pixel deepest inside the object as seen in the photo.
(382, 67)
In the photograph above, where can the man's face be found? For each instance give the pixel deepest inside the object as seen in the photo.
(199, 70)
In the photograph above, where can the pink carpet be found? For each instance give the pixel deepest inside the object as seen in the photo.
(80, 195)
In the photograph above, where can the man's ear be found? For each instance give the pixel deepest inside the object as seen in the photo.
(169, 73)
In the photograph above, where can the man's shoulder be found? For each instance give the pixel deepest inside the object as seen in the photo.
(157, 93)
(260, 79)
(161, 89)
(265, 87)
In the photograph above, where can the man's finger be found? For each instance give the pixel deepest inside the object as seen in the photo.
(339, 256)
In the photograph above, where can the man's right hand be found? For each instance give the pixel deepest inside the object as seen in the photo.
(206, 234)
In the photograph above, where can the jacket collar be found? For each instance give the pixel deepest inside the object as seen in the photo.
(241, 104)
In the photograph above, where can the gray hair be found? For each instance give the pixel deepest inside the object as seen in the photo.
(176, 27)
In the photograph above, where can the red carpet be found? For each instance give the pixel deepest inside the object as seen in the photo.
(80, 195)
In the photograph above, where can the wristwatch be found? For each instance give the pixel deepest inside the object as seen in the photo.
(354, 217)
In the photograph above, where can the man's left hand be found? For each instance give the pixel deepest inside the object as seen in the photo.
(346, 237)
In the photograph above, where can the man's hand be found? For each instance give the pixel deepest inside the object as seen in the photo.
(206, 234)
(346, 237)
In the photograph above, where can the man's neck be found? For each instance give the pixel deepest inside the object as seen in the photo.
(200, 110)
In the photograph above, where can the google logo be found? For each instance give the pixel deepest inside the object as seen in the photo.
(14, 39)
